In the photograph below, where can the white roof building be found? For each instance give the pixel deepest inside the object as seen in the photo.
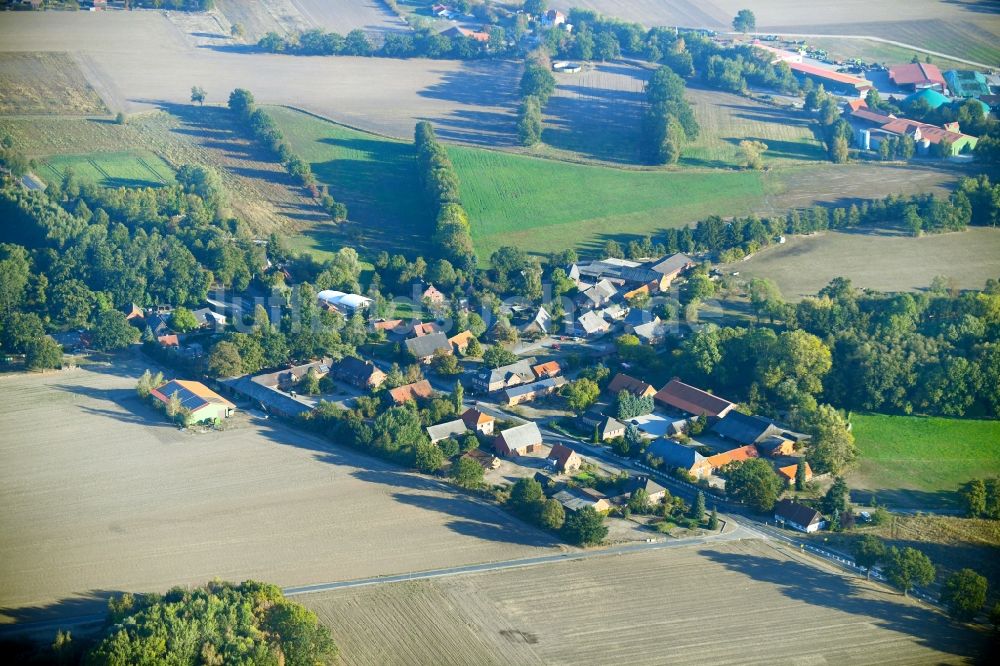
(341, 301)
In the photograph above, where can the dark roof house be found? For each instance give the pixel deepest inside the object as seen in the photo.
(745, 429)
(798, 516)
(692, 400)
(424, 347)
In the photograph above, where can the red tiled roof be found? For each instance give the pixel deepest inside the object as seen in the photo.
(916, 73)
(805, 68)
(550, 369)
(932, 133)
(473, 417)
(692, 400)
(788, 473)
(857, 104)
(736, 455)
(561, 454)
(421, 389)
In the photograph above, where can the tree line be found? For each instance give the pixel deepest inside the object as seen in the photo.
(422, 42)
(439, 181)
(537, 85)
(668, 120)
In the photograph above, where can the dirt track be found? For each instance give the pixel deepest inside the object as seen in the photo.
(100, 495)
(736, 603)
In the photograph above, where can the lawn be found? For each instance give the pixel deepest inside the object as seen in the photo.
(138, 168)
(538, 204)
(920, 462)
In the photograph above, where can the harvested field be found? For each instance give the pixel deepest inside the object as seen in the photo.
(874, 51)
(876, 259)
(127, 169)
(345, 15)
(100, 494)
(141, 60)
(45, 83)
(969, 29)
(642, 608)
(921, 462)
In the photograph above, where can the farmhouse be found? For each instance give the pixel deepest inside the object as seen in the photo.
(832, 80)
(133, 313)
(591, 324)
(416, 391)
(422, 328)
(169, 340)
(289, 378)
(610, 428)
(208, 318)
(485, 459)
(565, 459)
(776, 446)
(651, 333)
(798, 516)
(446, 430)
(488, 380)
(720, 460)
(461, 341)
(201, 402)
(354, 371)
(478, 421)
(918, 76)
(519, 440)
(275, 393)
(516, 395)
(539, 325)
(622, 382)
(548, 369)
(692, 400)
(654, 491)
(597, 295)
(458, 31)
(575, 499)
(787, 474)
(670, 268)
(432, 295)
(424, 347)
(676, 456)
(343, 303)
(967, 84)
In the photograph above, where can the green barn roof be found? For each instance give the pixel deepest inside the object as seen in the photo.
(933, 98)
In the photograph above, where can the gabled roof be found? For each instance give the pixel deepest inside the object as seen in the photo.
(293, 374)
(548, 369)
(829, 74)
(193, 395)
(734, 455)
(472, 417)
(651, 330)
(788, 473)
(575, 499)
(421, 389)
(521, 436)
(354, 368)
(446, 430)
(600, 293)
(916, 74)
(540, 323)
(800, 514)
(542, 385)
(388, 325)
(692, 400)
(673, 264)
(591, 322)
(610, 425)
(561, 455)
(635, 483)
(462, 339)
(674, 454)
(623, 382)
(426, 345)
(745, 429)
(520, 368)
(421, 329)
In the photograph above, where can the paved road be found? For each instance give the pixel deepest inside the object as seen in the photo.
(911, 47)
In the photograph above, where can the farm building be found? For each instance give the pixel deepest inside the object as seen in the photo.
(932, 98)
(133, 313)
(691, 400)
(832, 80)
(918, 76)
(447, 430)
(654, 491)
(458, 31)
(575, 499)
(651, 333)
(208, 318)
(519, 440)
(798, 516)
(745, 429)
(488, 380)
(670, 268)
(597, 295)
(201, 402)
(169, 340)
(787, 474)
(778, 55)
(676, 456)
(522, 393)
(432, 295)
(425, 347)
(539, 325)
(478, 421)
(776, 446)
(422, 328)
(344, 303)
(720, 460)
(547, 369)
(564, 459)
(421, 390)
(354, 371)
(289, 378)
(268, 396)
(872, 128)
(966, 84)
(622, 382)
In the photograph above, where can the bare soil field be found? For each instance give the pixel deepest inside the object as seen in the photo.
(99, 494)
(140, 60)
(964, 28)
(45, 83)
(876, 259)
(345, 15)
(744, 602)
